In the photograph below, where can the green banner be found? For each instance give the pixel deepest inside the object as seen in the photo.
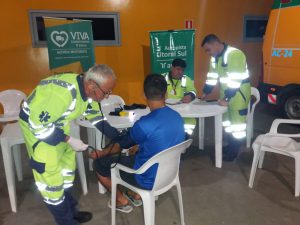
(169, 45)
(69, 43)
(285, 3)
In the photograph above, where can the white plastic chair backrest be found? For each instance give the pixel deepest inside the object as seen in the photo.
(109, 104)
(11, 101)
(168, 164)
(251, 105)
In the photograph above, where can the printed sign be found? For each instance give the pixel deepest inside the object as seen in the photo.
(70, 43)
(169, 45)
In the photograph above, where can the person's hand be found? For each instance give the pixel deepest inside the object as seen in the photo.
(77, 144)
(222, 102)
(133, 150)
(96, 154)
(203, 97)
(186, 99)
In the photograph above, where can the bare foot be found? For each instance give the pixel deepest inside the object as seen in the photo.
(133, 194)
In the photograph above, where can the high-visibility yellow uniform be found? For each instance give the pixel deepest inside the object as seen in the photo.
(45, 121)
(230, 69)
(177, 89)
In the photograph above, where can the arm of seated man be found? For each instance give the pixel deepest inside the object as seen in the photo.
(110, 149)
(123, 141)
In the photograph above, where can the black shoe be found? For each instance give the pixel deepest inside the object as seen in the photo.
(225, 149)
(231, 151)
(229, 157)
(83, 216)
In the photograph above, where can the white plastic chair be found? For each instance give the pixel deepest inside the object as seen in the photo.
(12, 136)
(94, 135)
(277, 143)
(166, 177)
(11, 101)
(251, 108)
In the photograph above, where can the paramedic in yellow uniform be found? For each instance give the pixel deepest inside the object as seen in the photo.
(45, 119)
(180, 86)
(228, 67)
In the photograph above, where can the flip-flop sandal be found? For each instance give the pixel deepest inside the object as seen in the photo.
(133, 201)
(121, 208)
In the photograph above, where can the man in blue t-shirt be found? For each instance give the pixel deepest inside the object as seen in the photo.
(160, 129)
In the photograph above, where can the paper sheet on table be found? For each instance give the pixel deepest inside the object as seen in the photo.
(173, 101)
(205, 103)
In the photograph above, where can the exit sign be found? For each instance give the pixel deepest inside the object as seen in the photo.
(188, 24)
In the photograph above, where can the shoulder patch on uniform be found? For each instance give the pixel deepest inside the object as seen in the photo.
(44, 116)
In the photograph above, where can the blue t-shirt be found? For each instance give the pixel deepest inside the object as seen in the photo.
(157, 131)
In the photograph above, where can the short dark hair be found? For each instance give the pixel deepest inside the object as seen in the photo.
(179, 62)
(210, 38)
(155, 87)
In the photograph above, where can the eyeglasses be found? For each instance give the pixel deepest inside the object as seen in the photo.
(107, 93)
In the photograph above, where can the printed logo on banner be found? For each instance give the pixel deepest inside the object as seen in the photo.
(60, 39)
(69, 43)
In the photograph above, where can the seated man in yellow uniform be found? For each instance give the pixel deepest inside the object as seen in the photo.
(180, 86)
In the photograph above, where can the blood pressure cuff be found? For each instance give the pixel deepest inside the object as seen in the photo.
(122, 138)
(105, 128)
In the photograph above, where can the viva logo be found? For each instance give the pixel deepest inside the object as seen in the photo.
(60, 38)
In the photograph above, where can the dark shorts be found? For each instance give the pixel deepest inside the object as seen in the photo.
(104, 164)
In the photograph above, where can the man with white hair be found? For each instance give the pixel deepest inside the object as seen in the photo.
(45, 122)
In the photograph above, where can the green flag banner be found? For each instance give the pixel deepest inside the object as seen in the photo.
(168, 45)
(69, 43)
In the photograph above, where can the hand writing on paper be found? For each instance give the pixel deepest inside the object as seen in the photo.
(222, 102)
(186, 99)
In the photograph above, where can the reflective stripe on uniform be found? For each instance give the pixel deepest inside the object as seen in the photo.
(236, 128)
(226, 123)
(238, 76)
(189, 131)
(97, 119)
(224, 80)
(43, 133)
(233, 84)
(239, 135)
(189, 128)
(45, 187)
(166, 77)
(55, 201)
(183, 82)
(213, 62)
(212, 75)
(67, 172)
(211, 82)
(26, 108)
(67, 184)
